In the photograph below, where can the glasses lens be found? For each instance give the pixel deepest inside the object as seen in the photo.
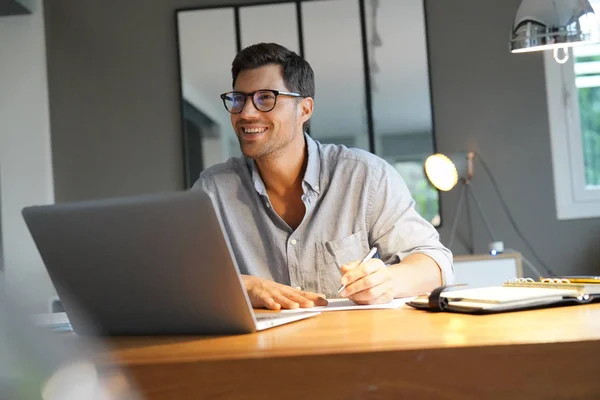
(234, 102)
(264, 100)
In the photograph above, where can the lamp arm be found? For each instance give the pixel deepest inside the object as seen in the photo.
(481, 213)
(456, 215)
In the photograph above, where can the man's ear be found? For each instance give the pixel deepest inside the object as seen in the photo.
(306, 108)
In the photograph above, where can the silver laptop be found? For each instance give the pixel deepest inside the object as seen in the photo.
(153, 264)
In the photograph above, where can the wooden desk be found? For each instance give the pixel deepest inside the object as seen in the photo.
(405, 353)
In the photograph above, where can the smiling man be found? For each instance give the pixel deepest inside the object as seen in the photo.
(301, 215)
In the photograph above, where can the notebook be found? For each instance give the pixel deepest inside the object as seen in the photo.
(513, 295)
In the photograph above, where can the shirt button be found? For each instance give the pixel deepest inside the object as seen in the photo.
(268, 205)
(317, 187)
(293, 242)
(298, 288)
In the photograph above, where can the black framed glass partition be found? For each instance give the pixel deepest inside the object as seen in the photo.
(371, 77)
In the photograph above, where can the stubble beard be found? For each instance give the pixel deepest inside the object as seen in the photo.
(268, 149)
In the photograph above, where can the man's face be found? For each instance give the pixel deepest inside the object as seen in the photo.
(267, 133)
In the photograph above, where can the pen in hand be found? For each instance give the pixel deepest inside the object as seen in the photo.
(364, 260)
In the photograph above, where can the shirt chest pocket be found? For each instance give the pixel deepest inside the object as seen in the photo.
(335, 253)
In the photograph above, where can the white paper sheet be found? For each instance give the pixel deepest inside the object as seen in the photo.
(345, 304)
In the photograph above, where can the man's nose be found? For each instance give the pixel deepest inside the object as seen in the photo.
(249, 110)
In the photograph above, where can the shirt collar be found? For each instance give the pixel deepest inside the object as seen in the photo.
(312, 174)
(257, 181)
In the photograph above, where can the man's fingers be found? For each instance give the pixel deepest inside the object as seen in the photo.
(275, 296)
(366, 282)
(380, 292)
(316, 298)
(268, 302)
(306, 299)
(383, 299)
(361, 270)
(321, 301)
(284, 301)
(297, 297)
(348, 267)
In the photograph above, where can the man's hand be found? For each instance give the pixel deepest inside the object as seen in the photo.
(368, 283)
(275, 296)
(373, 282)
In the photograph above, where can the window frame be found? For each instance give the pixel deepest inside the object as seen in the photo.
(574, 198)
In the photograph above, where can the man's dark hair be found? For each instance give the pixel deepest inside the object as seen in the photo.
(298, 75)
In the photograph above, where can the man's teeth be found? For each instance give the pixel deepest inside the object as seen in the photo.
(254, 130)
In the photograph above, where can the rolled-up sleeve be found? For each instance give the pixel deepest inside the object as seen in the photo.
(397, 229)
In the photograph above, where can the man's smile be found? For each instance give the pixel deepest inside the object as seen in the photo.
(254, 130)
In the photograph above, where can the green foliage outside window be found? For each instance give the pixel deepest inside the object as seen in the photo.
(589, 110)
(426, 196)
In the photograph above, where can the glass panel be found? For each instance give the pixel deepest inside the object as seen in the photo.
(400, 84)
(400, 94)
(263, 24)
(336, 57)
(207, 46)
(587, 80)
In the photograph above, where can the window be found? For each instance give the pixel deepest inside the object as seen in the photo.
(425, 195)
(573, 91)
(587, 81)
(370, 94)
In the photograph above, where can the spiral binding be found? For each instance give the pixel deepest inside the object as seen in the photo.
(544, 280)
(551, 283)
(520, 280)
(555, 280)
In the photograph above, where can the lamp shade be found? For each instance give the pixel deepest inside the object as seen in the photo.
(445, 171)
(552, 24)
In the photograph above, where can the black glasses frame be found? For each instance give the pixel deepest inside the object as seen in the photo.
(276, 93)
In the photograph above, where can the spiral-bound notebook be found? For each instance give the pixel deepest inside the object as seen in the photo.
(516, 294)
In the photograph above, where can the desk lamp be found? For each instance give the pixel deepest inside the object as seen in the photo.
(554, 25)
(445, 172)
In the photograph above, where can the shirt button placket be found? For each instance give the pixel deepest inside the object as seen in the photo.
(293, 263)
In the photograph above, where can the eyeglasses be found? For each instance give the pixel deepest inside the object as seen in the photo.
(264, 100)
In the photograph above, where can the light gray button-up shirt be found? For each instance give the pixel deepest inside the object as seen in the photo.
(354, 200)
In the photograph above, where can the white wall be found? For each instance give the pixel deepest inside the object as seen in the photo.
(25, 153)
